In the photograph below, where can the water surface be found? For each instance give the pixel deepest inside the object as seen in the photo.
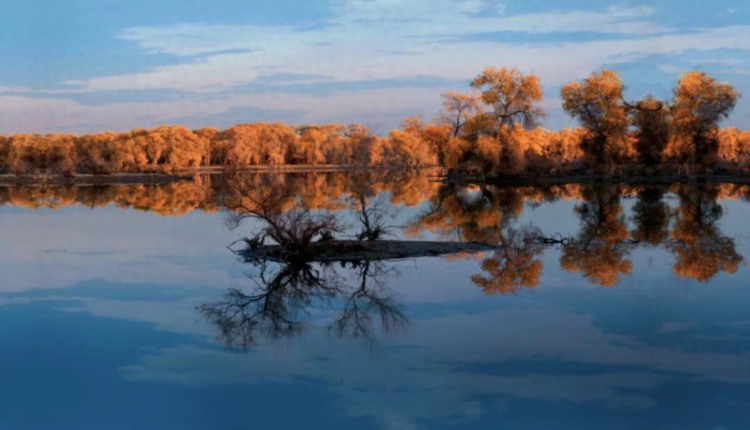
(122, 308)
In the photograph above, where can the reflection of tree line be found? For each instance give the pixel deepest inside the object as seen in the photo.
(600, 250)
(207, 193)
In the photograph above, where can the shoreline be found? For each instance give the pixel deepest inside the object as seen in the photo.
(92, 180)
(8, 180)
(739, 179)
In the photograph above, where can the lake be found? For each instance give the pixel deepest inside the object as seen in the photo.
(600, 306)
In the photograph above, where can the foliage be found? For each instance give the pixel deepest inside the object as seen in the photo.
(597, 103)
(511, 96)
(492, 133)
(700, 102)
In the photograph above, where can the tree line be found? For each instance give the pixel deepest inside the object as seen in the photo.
(175, 148)
(494, 132)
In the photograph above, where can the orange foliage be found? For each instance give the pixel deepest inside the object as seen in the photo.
(597, 102)
(700, 102)
(492, 133)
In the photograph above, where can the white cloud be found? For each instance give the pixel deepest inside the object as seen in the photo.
(358, 44)
(354, 50)
(60, 249)
(381, 108)
(355, 44)
(434, 360)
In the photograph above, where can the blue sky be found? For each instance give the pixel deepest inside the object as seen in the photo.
(89, 65)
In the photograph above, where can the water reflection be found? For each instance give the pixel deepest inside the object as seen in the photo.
(700, 247)
(601, 248)
(682, 219)
(300, 258)
(281, 297)
(296, 252)
(210, 193)
(447, 355)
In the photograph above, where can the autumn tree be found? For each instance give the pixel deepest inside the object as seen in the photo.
(208, 134)
(734, 145)
(98, 154)
(364, 148)
(700, 102)
(4, 149)
(407, 147)
(512, 97)
(34, 153)
(597, 103)
(313, 141)
(651, 120)
(457, 109)
(257, 144)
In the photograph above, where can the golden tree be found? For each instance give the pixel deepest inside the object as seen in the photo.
(512, 96)
(4, 149)
(457, 109)
(700, 102)
(597, 103)
(651, 120)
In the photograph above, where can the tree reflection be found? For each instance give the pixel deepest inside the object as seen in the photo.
(514, 265)
(483, 213)
(651, 216)
(370, 305)
(701, 249)
(601, 248)
(283, 295)
(473, 213)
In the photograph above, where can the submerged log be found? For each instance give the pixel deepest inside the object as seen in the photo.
(356, 250)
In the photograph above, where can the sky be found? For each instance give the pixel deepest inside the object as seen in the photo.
(93, 65)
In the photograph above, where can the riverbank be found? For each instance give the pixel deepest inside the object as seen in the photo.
(181, 175)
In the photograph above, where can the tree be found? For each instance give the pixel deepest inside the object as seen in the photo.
(597, 103)
(734, 145)
(408, 147)
(700, 102)
(512, 96)
(457, 109)
(651, 119)
(4, 149)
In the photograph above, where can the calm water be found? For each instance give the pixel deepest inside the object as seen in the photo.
(122, 308)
